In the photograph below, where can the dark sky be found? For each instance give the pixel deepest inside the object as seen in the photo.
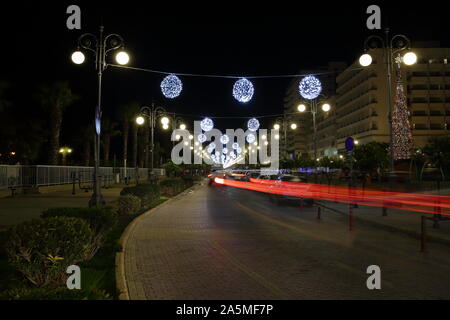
(214, 37)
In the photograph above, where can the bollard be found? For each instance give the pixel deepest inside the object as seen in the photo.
(350, 217)
(423, 234)
(319, 211)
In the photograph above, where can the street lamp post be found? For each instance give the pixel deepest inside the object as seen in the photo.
(100, 46)
(283, 124)
(152, 113)
(392, 45)
(313, 109)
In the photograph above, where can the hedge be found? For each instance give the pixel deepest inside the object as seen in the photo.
(100, 219)
(42, 249)
(148, 193)
(128, 204)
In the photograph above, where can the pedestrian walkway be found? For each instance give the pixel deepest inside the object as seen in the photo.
(26, 207)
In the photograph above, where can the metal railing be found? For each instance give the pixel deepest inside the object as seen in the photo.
(17, 176)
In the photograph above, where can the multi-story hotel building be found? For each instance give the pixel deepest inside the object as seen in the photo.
(360, 108)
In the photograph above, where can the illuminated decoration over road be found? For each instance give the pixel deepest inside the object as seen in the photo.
(253, 124)
(224, 150)
(202, 138)
(207, 124)
(251, 138)
(235, 145)
(224, 139)
(310, 87)
(243, 90)
(171, 86)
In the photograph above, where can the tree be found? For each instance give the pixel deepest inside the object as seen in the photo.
(127, 114)
(171, 169)
(371, 156)
(55, 98)
(109, 130)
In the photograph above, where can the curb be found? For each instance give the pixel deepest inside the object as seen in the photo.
(413, 234)
(121, 281)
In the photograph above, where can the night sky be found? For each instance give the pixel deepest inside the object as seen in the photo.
(230, 38)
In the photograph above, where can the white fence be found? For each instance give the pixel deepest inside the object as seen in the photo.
(35, 176)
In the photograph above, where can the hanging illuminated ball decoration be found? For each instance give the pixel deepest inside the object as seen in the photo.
(171, 86)
(253, 124)
(207, 124)
(251, 138)
(239, 150)
(224, 139)
(310, 87)
(235, 145)
(224, 150)
(201, 138)
(243, 90)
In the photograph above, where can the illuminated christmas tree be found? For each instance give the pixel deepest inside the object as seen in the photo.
(402, 141)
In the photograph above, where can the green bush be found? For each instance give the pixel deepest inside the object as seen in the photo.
(128, 204)
(42, 249)
(100, 219)
(148, 193)
(172, 186)
(52, 293)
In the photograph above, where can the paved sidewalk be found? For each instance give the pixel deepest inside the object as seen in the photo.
(26, 207)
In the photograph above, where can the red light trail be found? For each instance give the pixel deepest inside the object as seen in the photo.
(424, 203)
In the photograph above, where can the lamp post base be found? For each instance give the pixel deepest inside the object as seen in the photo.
(97, 198)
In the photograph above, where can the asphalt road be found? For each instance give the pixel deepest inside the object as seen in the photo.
(226, 243)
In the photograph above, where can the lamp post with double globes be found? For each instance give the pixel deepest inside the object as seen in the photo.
(100, 46)
(313, 109)
(153, 113)
(392, 46)
(283, 124)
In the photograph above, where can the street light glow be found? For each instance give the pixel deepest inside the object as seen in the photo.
(78, 57)
(182, 126)
(191, 137)
(293, 126)
(122, 58)
(165, 121)
(276, 126)
(410, 58)
(301, 108)
(140, 120)
(165, 126)
(365, 60)
(326, 107)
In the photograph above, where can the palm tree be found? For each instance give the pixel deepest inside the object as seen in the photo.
(108, 131)
(55, 98)
(126, 114)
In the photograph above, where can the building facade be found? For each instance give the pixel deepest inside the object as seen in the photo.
(359, 107)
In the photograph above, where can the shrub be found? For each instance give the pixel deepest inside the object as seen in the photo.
(100, 219)
(172, 186)
(128, 204)
(42, 249)
(52, 293)
(148, 193)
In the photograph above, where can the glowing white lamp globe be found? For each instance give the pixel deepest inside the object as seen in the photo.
(122, 58)
(276, 127)
(410, 58)
(165, 126)
(78, 57)
(165, 120)
(293, 126)
(140, 120)
(182, 126)
(191, 137)
(326, 107)
(301, 108)
(365, 60)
